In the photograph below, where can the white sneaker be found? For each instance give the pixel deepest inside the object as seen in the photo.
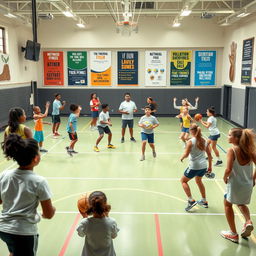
(142, 158)
(229, 235)
(247, 229)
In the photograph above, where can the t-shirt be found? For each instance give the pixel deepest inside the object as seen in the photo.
(213, 128)
(127, 106)
(98, 233)
(94, 102)
(197, 160)
(20, 131)
(150, 120)
(72, 119)
(56, 107)
(103, 117)
(21, 191)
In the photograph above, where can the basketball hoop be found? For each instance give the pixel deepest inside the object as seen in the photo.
(125, 28)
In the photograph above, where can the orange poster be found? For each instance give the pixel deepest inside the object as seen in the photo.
(53, 68)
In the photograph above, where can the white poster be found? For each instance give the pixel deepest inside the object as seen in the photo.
(100, 64)
(155, 68)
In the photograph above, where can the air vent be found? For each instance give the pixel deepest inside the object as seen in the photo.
(145, 5)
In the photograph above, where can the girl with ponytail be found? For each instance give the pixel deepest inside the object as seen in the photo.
(195, 149)
(99, 230)
(240, 180)
(21, 191)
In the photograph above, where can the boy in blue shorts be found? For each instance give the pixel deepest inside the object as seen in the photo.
(148, 123)
(72, 128)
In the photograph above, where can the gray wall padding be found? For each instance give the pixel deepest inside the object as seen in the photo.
(238, 105)
(251, 122)
(14, 97)
(163, 97)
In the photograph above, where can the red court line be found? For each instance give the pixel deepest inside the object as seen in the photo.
(158, 236)
(69, 236)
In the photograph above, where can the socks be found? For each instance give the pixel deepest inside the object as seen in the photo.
(190, 199)
(203, 200)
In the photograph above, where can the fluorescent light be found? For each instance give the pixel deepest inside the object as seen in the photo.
(225, 23)
(80, 25)
(68, 13)
(185, 12)
(176, 24)
(243, 14)
(9, 15)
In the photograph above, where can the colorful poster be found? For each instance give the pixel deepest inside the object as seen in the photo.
(155, 68)
(205, 68)
(53, 68)
(77, 68)
(180, 67)
(100, 64)
(4, 68)
(247, 61)
(127, 68)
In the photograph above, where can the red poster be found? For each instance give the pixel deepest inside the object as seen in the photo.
(53, 68)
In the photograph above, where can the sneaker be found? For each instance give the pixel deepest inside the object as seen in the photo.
(191, 204)
(43, 150)
(219, 162)
(154, 154)
(247, 229)
(111, 146)
(74, 152)
(69, 151)
(203, 203)
(122, 140)
(132, 139)
(96, 149)
(56, 134)
(229, 236)
(142, 158)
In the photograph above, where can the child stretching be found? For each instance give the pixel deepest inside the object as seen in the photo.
(186, 120)
(38, 118)
(195, 149)
(17, 117)
(72, 128)
(99, 230)
(148, 123)
(21, 191)
(103, 127)
(211, 124)
(239, 179)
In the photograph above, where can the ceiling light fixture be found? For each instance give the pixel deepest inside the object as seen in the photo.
(185, 12)
(9, 15)
(176, 23)
(68, 13)
(226, 23)
(80, 25)
(243, 14)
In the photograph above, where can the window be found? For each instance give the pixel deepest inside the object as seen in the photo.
(2, 40)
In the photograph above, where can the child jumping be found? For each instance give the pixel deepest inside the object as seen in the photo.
(103, 127)
(72, 128)
(38, 129)
(148, 123)
(98, 230)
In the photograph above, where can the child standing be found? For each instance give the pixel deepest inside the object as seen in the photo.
(38, 118)
(94, 105)
(21, 191)
(17, 117)
(72, 128)
(148, 123)
(211, 124)
(195, 149)
(99, 230)
(103, 127)
(240, 180)
(56, 107)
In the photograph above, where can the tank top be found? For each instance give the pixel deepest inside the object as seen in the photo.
(185, 121)
(38, 124)
(20, 131)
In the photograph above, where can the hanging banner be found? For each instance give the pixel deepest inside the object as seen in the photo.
(247, 61)
(127, 68)
(180, 67)
(100, 64)
(155, 65)
(205, 66)
(53, 68)
(77, 68)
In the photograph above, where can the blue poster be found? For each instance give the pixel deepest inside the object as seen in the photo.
(205, 67)
(127, 68)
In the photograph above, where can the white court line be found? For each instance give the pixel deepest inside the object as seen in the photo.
(118, 179)
(224, 134)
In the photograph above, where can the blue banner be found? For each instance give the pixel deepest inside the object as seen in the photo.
(127, 68)
(205, 68)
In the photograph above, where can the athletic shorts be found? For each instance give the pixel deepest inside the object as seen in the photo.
(94, 114)
(186, 130)
(103, 130)
(72, 136)
(214, 137)
(190, 173)
(148, 137)
(127, 122)
(20, 245)
(39, 136)
(56, 119)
